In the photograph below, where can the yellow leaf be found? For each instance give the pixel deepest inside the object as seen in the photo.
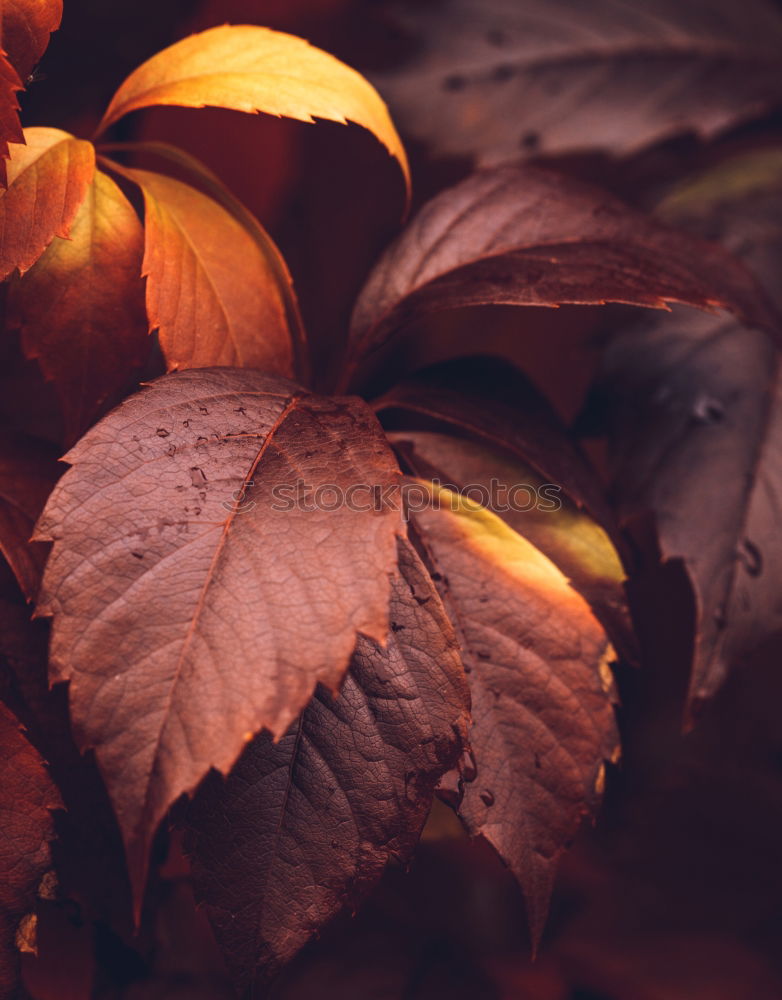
(249, 68)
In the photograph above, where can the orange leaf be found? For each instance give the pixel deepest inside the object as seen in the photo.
(27, 25)
(48, 179)
(81, 306)
(249, 68)
(210, 290)
(10, 127)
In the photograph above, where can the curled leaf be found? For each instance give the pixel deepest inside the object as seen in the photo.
(210, 291)
(254, 69)
(521, 235)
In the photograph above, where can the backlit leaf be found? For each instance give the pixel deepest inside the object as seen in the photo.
(543, 721)
(305, 826)
(527, 236)
(499, 79)
(10, 126)
(249, 68)
(206, 575)
(27, 795)
(210, 292)
(27, 25)
(48, 179)
(80, 308)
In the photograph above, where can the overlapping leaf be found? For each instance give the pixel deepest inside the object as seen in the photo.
(498, 79)
(80, 308)
(543, 721)
(476, 425)
(249, 68)
(520, 235)
(209, 569)
(48, 179)
(305, 826)
(28, 472)
(211, 293)
(10, 126)
(27, 795)
(26, 27)
(695, 406)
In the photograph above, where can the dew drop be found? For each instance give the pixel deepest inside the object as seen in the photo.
(162, 432)
(487, 798)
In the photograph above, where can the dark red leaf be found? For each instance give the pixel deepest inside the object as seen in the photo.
(27, 795)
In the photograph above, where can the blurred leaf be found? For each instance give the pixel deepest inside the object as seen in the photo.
(210, 291)
(249, 68)
(693, 408)
(80, 308)
(527, 236)
(305, 826)
(537, 664)
(28, 472)
(27, 795)
(496, 80)
(48, 179)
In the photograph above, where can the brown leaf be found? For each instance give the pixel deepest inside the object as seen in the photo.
(211, 293)
(527, 236)
(195, 598)
(80, 308)
(541, 689)
(480, 427)
(307, 825)
(28, 472)
(496, 80)
(694, 411)
(27, 25)
(249, 68)
(48, 179)
(27, 794)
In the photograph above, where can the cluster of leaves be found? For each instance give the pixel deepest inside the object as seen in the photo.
(294, 687)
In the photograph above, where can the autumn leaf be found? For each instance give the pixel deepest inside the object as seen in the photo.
(27, 795)
(274, 262)
(10, 126)
(48, 179)
(496, 80)
(694, 415)
(27, 25)
(80, 308)
(210, 291)
(307, 825)
(28, 472)
(207, 573)
(543, 721)
(527, 236)
(476, 424)
(254, 69)
(738, 202)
